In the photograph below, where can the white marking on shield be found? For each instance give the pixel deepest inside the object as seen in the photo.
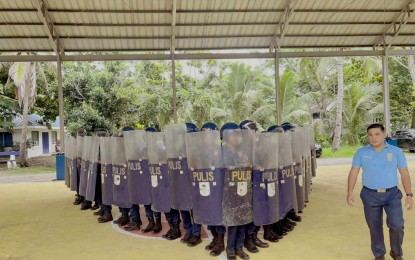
(102, 179)
(300, 180)
(125, 177)
(154, 181)
(282, 181)
(271, 189)
(262, 185)
(181, 172)
(141, 172)
(117, 179)
(242, 188)
(204, 188)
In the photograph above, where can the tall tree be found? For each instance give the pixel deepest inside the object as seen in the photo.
(23, 75)
(339, 105)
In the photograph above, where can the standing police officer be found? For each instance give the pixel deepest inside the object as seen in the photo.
(217, 245)
(251, 230)
(380, 162)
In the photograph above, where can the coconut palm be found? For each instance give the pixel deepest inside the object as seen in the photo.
(360, 105)
(339, 104)
(23, 75)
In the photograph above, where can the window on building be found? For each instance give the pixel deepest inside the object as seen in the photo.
(35, 137)
(54, 137)
(6, 139)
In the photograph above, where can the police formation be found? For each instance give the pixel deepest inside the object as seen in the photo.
(233, 180)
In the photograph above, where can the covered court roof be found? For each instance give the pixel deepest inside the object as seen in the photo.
(184, 25)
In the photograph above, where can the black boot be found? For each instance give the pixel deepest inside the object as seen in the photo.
(213, 243)
(284, 227)
(79, 199)
(99, 213)
(122, 221)
(150, 226)
(133, 225)
(176, 233)
(185, 238)
(230, 254)
(194, 241)
(107, 217)
(157, 227)
(288, 222)
(86, 205)
(258, 241)
(95, 207)
(168, 233)
(219, 246)
(294, 217)
(249, 244)
(278, 230)
(242, 254)
(270, 235)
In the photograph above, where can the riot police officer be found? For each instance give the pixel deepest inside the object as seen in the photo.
(80, 133)
(233, 157)
(251, 230)
(217, 245)
(154, 218)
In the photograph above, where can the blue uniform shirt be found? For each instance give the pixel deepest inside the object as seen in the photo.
(379, 168)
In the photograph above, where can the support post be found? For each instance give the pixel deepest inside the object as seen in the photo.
(60, 100)
(386, 100)
(173, 82)
(277, 86)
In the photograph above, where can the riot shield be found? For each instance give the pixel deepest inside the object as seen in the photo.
(107, 179)
(157, 162)
(308, 155)
(79, 141)
(265, 179)
(83, 176)
(204, 156)
(288, 194)
(179, 174)
(298, 138)
(138, 171)
(69, 162)
(93, 166)
(121, 197)
(237, 154)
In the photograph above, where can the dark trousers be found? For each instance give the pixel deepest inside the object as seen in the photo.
(251, 229)
(191, 228)
(374, 204)
(106, 208)
(236, 236)
(173, 217)
(219, 229)
(150, 213)
(135, 212)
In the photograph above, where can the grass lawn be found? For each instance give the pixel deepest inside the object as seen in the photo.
(344, 151)
(27, 170)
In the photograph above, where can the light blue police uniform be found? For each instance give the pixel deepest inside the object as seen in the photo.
(380, 193)
(379, 168)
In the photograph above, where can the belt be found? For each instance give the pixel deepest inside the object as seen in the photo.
(381, 190)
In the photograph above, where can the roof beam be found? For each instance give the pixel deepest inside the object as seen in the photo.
(195, 24)
(141, 11)
(184, 37)
(279, 34)
(173, 26)
(205, 56)
(52, 33)
(395, 27)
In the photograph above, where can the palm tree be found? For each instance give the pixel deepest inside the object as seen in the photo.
(360, 105)
(339, 105)
(23, 75)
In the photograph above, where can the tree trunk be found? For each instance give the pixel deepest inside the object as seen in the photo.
(411, 67)
(25, 118)
(339, 105)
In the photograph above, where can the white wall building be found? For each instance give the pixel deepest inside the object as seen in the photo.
(42, 139)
